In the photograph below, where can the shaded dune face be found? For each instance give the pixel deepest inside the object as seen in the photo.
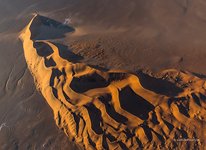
(111, 109)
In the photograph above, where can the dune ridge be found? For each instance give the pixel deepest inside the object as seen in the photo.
(114, 109)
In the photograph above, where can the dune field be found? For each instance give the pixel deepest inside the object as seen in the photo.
(111, 74)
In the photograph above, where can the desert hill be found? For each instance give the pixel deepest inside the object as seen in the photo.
(160, 43)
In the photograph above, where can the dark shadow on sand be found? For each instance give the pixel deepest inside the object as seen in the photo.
(43, 28)
(88, 82)
(134, 104)
(158, 86)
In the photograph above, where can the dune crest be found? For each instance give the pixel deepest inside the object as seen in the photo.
(114, 109)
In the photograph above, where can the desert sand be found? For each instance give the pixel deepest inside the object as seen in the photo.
(117, 75)
(114, 109)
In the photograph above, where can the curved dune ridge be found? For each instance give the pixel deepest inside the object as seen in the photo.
(114, 109)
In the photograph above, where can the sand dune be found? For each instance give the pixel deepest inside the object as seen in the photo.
(114, 109)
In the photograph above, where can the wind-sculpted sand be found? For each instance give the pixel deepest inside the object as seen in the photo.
(113, 109)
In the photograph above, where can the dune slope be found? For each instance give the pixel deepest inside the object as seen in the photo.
(113, 109)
